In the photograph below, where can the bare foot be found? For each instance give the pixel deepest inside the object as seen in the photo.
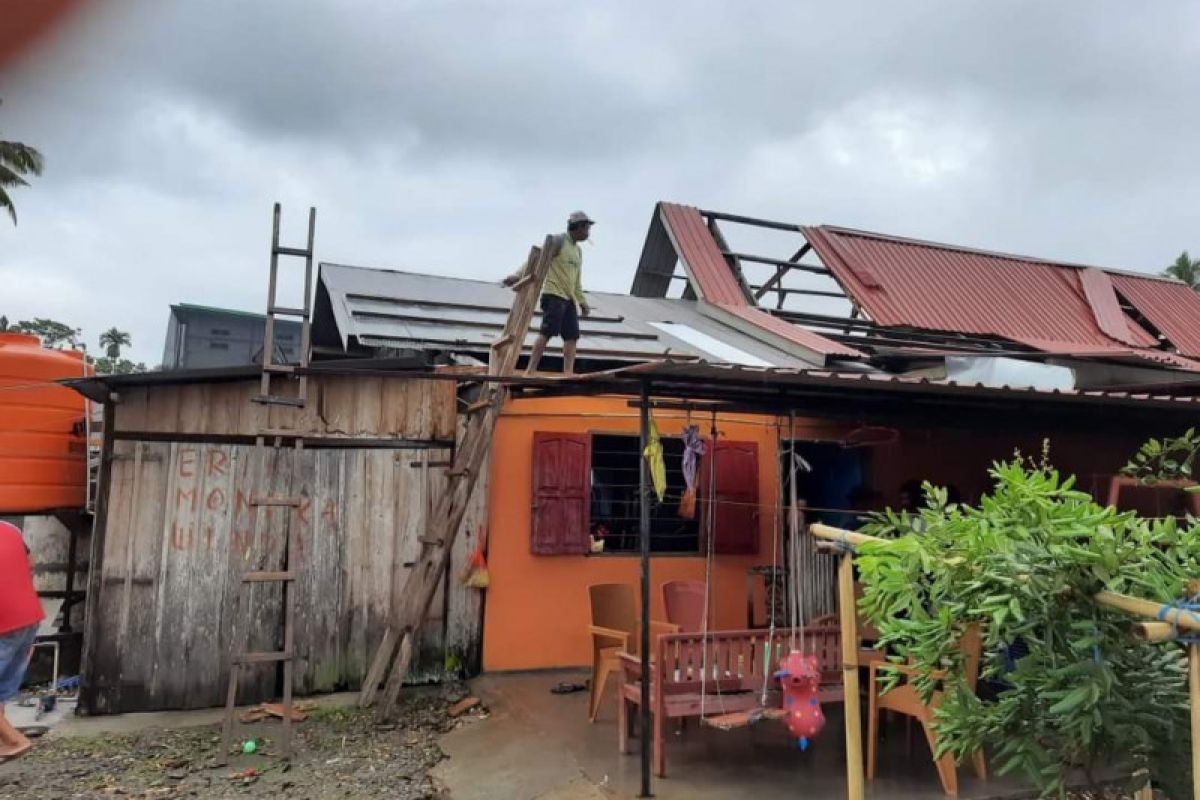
(15, 751)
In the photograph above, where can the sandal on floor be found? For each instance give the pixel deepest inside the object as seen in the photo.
(567, 688)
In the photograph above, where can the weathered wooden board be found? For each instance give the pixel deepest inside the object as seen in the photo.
(181, 530)
(351, 406)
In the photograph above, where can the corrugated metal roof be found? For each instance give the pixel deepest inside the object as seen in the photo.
(1171, 307)
(383, 308)
(1053, 306)
(732, 377)
(714, 282)
(711, 276)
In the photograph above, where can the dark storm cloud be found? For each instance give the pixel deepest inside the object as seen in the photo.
(447, 136)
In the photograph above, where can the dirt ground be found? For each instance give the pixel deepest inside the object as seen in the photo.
(340, 753)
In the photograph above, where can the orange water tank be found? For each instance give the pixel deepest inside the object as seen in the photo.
(43, 450)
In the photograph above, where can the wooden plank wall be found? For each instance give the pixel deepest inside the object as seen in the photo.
(343, 405)
(180, 529)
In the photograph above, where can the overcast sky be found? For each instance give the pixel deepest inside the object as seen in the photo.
(447, 137)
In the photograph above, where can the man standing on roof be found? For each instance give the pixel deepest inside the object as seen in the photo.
(561, 292)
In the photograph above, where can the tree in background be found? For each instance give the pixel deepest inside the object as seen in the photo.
(112, 340)
(53, 333)
(57, 335)
(1186, 270)
(116, 366)
(17, 161)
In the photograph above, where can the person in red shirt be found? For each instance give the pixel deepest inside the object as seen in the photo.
(20, 613)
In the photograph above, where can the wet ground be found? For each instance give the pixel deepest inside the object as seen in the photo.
(340, 753)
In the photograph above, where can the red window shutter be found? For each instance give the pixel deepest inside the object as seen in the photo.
(562, 464)
(735, 516)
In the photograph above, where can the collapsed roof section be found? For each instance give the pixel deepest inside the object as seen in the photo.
(912, 299)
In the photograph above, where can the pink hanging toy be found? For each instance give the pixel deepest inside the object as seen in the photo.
(800, 675)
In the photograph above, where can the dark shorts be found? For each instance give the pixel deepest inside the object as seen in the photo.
(14, 657)
(559, 318)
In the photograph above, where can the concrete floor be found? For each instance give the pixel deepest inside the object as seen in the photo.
(539, 746)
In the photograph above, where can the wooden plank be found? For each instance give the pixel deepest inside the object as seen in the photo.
(358, 560)
(203, 550)
(849, 624)
(322, 575)
(87, 688)
(139, 662)
(464, 607)
(359, 406)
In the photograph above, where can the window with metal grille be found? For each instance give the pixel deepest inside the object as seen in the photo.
(220, 331)
(585, 491)
(616, 513)
(218, 345)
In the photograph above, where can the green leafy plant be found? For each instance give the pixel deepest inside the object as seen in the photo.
(1088, 699)
(1166, 460)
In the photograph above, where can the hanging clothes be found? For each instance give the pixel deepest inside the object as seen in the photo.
(693, 449)
(654, 458)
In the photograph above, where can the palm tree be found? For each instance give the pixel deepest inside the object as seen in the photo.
(16, 160)
(112, 340)
(1186, 270)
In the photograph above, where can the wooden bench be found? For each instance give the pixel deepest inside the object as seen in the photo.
(736, 663)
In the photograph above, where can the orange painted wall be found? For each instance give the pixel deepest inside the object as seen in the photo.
(537, 612)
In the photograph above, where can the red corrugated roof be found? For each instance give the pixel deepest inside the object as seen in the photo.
(1171, 307)
(1106, 308)
(711, 276)
(1061, 308)
(714, 282)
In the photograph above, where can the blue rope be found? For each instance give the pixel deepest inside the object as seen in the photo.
(842, 543)
(1191, 606)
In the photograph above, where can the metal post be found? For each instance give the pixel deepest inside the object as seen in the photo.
(1193, 651)
(849, 619)
(644, 501)
(72, 558)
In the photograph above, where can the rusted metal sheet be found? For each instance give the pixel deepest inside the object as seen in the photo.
(350, 406)
(1106, 308)
(181, 528)
(711, 276)
(1172, 307)
(1060, 308)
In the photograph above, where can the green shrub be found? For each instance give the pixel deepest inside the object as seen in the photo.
(1088, 698)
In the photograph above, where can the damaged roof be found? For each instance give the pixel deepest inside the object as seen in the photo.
(900, 287)
(362, 309)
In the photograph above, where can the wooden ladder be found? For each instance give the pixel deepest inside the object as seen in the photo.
(268, 447)
(398, 643)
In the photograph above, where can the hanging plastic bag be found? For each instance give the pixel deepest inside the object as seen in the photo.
(476, 574)
(654, 457)
(693, 449)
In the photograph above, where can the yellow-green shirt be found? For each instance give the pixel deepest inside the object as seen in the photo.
(565, 277)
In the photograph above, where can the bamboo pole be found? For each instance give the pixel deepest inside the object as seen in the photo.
(1194, 699)
(1153, 631)
(1179, 617)
(849, 622)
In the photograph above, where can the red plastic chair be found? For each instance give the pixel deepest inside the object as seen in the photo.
(684, 602)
